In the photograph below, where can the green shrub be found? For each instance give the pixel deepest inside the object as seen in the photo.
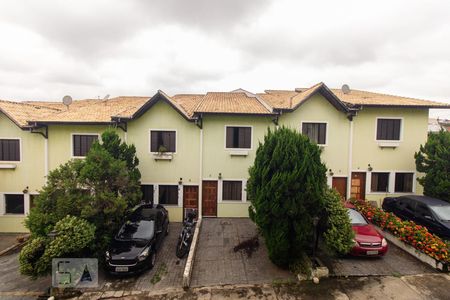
(30, 255)
(339, 234)
(73, 237)
(286, 187)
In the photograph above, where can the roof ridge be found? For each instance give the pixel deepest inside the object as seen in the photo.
(29, 104)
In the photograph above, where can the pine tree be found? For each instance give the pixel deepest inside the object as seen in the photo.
(286, 187)
(433, 159)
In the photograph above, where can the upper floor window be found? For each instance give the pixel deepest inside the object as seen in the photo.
(404, 182)
(232, 190)
(82, 143)
(317, 132)
(9, 150)
(162, 141)
(14, 204)
(238, 137)
(388, 129)
(380, 182)
(168, 194)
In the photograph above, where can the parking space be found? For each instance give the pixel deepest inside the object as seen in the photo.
(216, 263)
(396, 262)
(167, 273)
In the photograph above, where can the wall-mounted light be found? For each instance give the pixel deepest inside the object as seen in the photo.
(25, 190)
(330, 172)
(220, 176)
(180, 182)
(369, 168)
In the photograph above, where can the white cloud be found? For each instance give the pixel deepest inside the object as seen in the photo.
(92, 48)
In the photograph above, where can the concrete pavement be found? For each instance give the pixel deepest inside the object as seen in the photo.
(414, 287)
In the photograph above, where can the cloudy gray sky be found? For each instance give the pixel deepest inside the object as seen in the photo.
(92, 48)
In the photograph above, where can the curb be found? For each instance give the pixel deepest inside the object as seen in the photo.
(14, 247)
(190, 260)
(414, 252)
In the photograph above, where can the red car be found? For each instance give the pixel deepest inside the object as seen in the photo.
(368, 241)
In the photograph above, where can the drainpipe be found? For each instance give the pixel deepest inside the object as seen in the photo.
(125, 136)
(350, 157)
(200, 179)
(46, 158)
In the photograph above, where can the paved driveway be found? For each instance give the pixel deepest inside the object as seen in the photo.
(216, 263)
(396, 262)
(169, 269)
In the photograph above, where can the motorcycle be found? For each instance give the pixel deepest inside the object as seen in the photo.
(185, 238)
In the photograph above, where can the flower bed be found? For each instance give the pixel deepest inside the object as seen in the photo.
(407, 231)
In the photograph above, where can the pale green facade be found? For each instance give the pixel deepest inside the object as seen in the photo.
(201, 152)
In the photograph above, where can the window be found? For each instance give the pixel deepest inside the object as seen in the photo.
(168, 194)
(162, 141)
(404, 182)
(388, 129)
(82, 143)
(238, 137)
(232, 190)
(380, 182)
(317, 132)
(9, 150)
(14, 204)
(147, 193)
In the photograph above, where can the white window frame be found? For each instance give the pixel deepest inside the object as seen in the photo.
(238, 149)
(26, 204)
(391, 188)
(391, 118)
(319, 122)
(159, 129)
(20, 151)
(220, 190)
(71, 142)
(156, 194)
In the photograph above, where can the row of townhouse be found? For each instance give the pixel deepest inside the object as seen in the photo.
(195, 150)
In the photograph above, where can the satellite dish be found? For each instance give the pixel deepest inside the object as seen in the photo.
(67, 100)
(345, 89)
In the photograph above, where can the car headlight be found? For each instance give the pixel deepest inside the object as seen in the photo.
(144, 254)
(107, 255)
(355, 243)
(383, 242)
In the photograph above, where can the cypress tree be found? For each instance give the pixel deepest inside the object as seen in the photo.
(286, 186)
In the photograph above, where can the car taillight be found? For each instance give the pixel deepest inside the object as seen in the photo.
(383, 242)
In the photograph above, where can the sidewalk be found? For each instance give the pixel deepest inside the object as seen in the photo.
(428, 286)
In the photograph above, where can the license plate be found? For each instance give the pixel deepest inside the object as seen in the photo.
(372, 252)
(121, 269)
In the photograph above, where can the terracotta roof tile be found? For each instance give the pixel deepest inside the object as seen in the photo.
(188, 102)
(230, 102)
(20, 113)
(357, 97)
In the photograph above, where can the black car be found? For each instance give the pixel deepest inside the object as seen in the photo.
(432, 213)
(135, 245)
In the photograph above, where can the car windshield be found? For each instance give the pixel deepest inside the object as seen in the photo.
(356, 218)
(138, 230)
(443, 212)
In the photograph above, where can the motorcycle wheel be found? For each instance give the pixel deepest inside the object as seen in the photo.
(182, 249)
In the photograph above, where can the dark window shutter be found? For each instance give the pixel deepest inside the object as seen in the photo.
(230, 137)
(388, 129)
(172, 145)
(82, 144)
(154, 141)
(322, 133)
(9, 150)
(232, 190)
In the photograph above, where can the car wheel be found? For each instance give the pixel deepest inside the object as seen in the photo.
(152, 259)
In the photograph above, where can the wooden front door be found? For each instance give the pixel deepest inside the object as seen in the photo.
(358, 185)
(340, 185)
(209, 199)
(190, 198)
